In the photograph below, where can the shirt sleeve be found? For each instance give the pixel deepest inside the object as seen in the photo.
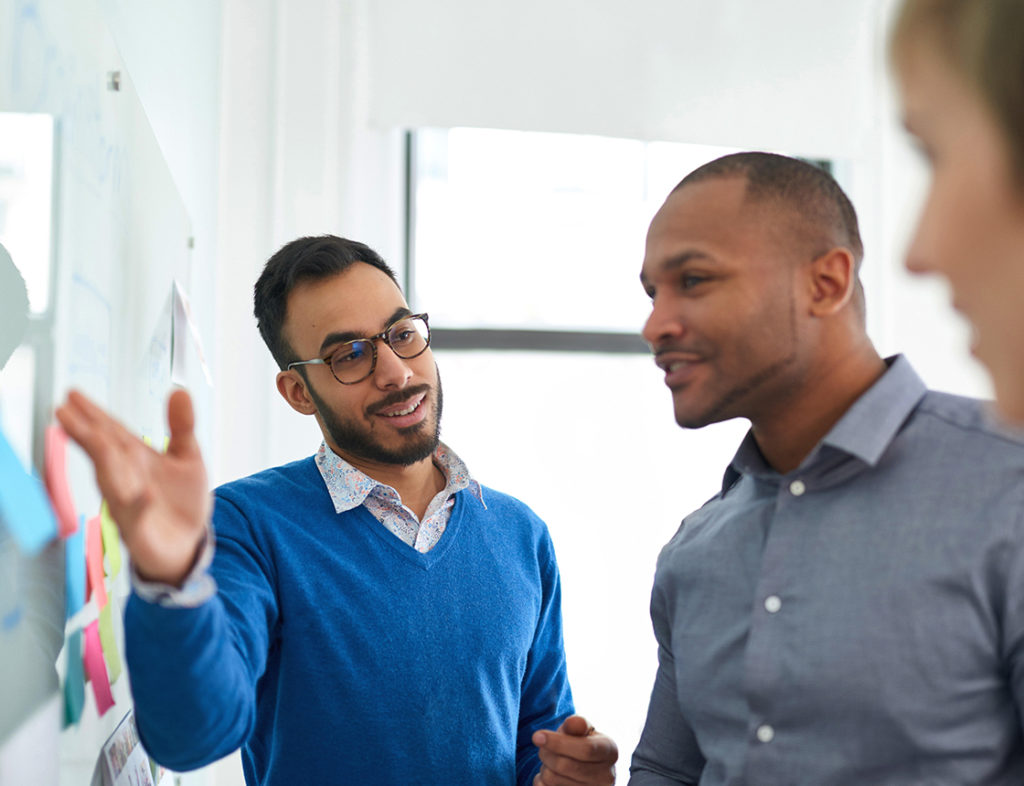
(1011, 577)
(546, 699)
(195, 668)
(668, 753)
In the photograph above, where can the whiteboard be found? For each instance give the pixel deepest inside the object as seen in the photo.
(120, 241)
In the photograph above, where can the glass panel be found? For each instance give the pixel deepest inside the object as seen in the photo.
(26, 196)
(589, 442)
(520, 229)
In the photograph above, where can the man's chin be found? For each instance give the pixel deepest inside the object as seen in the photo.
(691, 418)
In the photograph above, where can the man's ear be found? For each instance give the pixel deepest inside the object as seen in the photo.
(832, 282)
(292, 388)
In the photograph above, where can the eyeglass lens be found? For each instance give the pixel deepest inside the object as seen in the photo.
(354, 360)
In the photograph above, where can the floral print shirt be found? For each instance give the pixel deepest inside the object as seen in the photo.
(350, 488)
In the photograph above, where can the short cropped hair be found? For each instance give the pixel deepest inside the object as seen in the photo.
(808, 191)
(300, 261)
(984, 41)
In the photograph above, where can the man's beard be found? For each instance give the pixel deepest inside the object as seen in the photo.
(355, 438)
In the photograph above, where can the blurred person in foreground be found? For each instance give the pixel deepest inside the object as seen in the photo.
(960, 71)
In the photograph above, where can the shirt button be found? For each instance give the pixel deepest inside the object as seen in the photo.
(765, 733)
(772, 604)
(797, 487)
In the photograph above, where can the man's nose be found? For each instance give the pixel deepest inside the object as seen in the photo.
(392, 371)
(662, 324)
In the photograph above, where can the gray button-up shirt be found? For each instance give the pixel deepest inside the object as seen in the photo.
(859, 620)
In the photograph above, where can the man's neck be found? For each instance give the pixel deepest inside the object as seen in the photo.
(788, 435)
(417, 484)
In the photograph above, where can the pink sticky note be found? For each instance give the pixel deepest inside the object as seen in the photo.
(94, 561)
(96, 668)
(57, 480)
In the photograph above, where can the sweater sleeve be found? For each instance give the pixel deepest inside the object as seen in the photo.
(194, 670)
(546, 699)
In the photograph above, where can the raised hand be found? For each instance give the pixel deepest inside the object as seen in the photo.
(575, 754)
(160, 501)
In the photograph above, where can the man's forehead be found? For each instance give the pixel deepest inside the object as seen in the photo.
(701, 209)
(710, 222)
(361, 300)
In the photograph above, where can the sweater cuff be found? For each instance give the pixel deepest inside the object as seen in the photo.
(197, 588)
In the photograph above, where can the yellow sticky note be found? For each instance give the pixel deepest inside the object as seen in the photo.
(152, 442)
(108, 642)
(111, 541)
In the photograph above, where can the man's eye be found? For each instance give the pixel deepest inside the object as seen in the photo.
(349, 355)
(690, 281)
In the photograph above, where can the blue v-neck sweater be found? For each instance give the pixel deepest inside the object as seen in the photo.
(333, 653)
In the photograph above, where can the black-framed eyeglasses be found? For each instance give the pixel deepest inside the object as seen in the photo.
(354, 361)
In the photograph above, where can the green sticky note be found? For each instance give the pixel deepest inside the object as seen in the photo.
(74, 682)
(111, 541)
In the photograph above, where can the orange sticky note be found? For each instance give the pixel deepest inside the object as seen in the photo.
(57, 480)
(96, 668)
(94, 561)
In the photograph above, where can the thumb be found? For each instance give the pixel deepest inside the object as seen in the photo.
(576, 726)
(181, 421)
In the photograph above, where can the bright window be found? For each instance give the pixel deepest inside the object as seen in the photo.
(26, 195)
(526, 251)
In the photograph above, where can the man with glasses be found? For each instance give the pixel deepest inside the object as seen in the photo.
(369, 615)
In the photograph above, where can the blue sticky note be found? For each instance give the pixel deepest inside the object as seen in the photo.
(24, 508)
(74, 569)
(74, 682)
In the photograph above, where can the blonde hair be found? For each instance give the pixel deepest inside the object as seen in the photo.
(984, 41)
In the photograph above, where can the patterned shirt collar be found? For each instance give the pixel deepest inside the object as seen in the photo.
(349, 487)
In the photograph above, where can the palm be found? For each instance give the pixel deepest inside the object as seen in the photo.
(159, 500)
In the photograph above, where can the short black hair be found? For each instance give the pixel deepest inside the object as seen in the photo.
(302, 260)
(808, 190)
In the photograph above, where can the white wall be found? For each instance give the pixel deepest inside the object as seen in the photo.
(297, 157)
(738, 73)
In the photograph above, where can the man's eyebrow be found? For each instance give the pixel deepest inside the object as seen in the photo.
(679, 260)
(342, 336)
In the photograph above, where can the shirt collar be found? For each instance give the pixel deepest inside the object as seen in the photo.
(864, 431)
(349, 487)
